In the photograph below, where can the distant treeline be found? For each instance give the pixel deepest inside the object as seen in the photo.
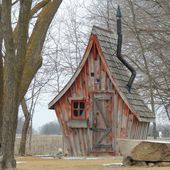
(51, 128)
(164, 129)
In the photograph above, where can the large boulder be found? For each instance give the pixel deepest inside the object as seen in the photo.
(146, 151)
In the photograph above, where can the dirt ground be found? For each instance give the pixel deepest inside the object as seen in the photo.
(34, 163)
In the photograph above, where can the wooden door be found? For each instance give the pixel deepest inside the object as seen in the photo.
(101, 126)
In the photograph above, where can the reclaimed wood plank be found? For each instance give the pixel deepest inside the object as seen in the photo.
(104, 80)
(73, 144)
(81, 142)
(87, 139)
(129, 127)
(83, 82)
(114, 115)
(132, 135)
(86, 78)
(77, 123)
(97, 80)
(92, 74)
(146, 131)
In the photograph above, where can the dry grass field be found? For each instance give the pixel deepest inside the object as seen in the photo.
(32, 163)
(41, 144)
(50, 144)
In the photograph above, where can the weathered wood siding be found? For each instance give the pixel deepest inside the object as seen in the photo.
(94, 78)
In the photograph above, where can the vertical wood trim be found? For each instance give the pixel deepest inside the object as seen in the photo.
(89, 135)
(86, 78)
(72, 141)
(83, 81)
(142, 130)
(81, 84)
(89, 76)
(97, 73)
(103, 80)
(128, 125)
(86, 139)
(81, 141)
(121, 120)
(139, 130)
(114, 115)
(108, 83)
(131, 126)
(119, 117)
(63, 108)
(67, 107)
(146, 130)
(91, 64)
(77, 142)
(136, 129)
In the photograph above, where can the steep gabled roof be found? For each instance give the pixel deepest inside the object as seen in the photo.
(118, 72)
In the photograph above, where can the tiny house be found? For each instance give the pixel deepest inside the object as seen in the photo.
(96, 107)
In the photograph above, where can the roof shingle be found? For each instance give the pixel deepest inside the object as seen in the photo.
(119, 71)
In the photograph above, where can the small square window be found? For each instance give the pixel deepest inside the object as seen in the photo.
(81, 112)
(78, 110)
(75, 105)
(76, 113)
(92, 74)
(81, 105)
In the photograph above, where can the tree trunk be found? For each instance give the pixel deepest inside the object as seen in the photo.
(27, 116)
(1, 80)
(10, 112)
(1, 97)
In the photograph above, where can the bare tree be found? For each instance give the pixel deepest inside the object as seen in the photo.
(22, 59)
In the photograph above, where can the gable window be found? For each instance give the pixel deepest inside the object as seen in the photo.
(78, 110)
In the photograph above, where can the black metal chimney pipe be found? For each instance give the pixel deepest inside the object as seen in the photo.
(119, 48)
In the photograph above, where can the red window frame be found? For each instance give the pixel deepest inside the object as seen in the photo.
(76, 108)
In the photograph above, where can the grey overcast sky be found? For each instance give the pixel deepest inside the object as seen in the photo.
(43, 115)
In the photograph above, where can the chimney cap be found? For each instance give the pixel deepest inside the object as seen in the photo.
(119, 15)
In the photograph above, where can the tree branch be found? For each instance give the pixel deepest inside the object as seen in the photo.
(23, 26)
(34, 10)
(24, 108)
(15, 2)
(33, 56)
(39, 6)
(7, 29)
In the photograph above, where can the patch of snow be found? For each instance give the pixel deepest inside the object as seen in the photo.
(113, 165)
(87, 158)
(20, 162)
(49, 156)
(158, 141)
(44, 156)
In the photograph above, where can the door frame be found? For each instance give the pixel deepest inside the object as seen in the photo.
(101, 96)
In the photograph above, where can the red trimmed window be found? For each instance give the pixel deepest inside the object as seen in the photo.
(78, 110)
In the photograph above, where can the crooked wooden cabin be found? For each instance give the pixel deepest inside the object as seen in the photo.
(99, 103)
